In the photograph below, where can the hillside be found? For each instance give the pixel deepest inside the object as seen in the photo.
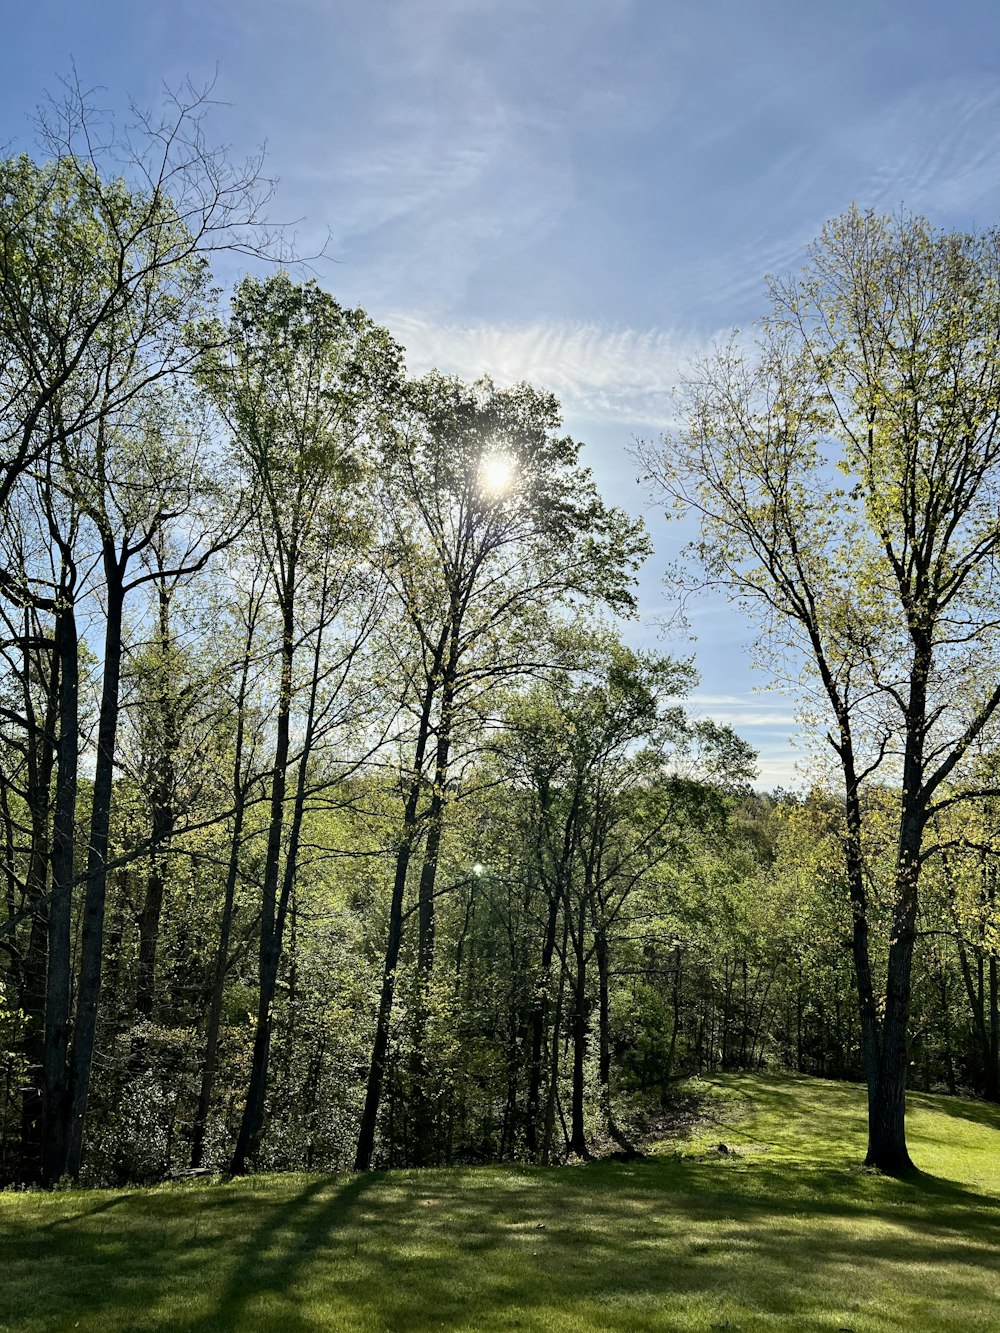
(781, 1231)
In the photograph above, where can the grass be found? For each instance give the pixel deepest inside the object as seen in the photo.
(783, 1232)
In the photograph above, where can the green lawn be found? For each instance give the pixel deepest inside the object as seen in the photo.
(786, 1232)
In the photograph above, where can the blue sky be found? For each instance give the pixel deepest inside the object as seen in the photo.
(579, 192)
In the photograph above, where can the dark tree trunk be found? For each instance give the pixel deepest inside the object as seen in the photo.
(602, 957)
(981, 1027)
(272, 918)
(420, 1111)
(404, 852)
(211, 1056)
(578, 1136)
(949, 1053)
(380, 1047)
(31, 998)
(555, 1036)
(91, 954)
(675, 1021)
(240, 788)
(887, 1149)
(604, 1020)
(993, 1063)
(161, 797)
(991, 1048)
(537, 1023)
(57, 979)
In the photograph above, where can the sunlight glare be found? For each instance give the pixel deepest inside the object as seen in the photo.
(496, 473)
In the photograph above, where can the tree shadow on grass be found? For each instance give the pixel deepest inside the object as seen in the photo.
(607, 1247)
(174, 1259)
(73, 1218)
(645, 1246)
(981, 1113)
(275, 1253)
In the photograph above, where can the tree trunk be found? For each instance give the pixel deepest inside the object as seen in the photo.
(211, 1056)
(91, 954)
(161, 797)
(537, 1023)
(271, 919)
(601, 953)
(578, 1137)
(993, 1065)
(380, 1047)
(552, 1096)
(55, 1083)
(404, 852)
(31, 999)
(887, 1149)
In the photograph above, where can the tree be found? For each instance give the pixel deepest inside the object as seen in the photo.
(104, 297)
(490, 523)
(846, 475)
(602, 759)
(307, 389)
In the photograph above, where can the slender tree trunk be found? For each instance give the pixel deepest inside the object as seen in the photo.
(992, 1050)
(420, 1110)
(55, 1084)
(250, 1131)
(240, 788)
(537, 1023)
(604, 1022)
(675, 1019)
(271, 919)
(162, 779)
(31, 1000)
(435, 823)
(404, 852)
(380, 1047)
(578, 1136)
(552, 1097)
(91, 955)
(602, 957)
(211, 1057)
(993, 1063)
(949, 1054)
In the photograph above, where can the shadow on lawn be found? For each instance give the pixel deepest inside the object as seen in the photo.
(606, 1246)
(274, 1254)
(835, 1111)
(981, 1113)
(627, 1244)
(71, 1219)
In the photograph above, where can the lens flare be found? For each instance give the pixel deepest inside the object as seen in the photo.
(496, 474)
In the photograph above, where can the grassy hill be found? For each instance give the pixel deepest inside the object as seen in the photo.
(783, 1231)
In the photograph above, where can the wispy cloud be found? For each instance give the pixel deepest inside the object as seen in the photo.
(758, 710)
(780, 770)
(934, 148)
(622, 375)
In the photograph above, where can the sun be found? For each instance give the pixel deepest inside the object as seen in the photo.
(496, 473)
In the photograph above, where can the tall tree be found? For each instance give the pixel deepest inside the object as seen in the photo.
(490, 522)
(104, 288)
(846, 474)
(306, 389)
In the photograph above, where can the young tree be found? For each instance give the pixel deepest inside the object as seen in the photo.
(846, 475)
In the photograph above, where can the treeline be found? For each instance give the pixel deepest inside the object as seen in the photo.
(340, 828)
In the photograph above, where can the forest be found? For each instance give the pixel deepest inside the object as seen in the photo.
(342, 826)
